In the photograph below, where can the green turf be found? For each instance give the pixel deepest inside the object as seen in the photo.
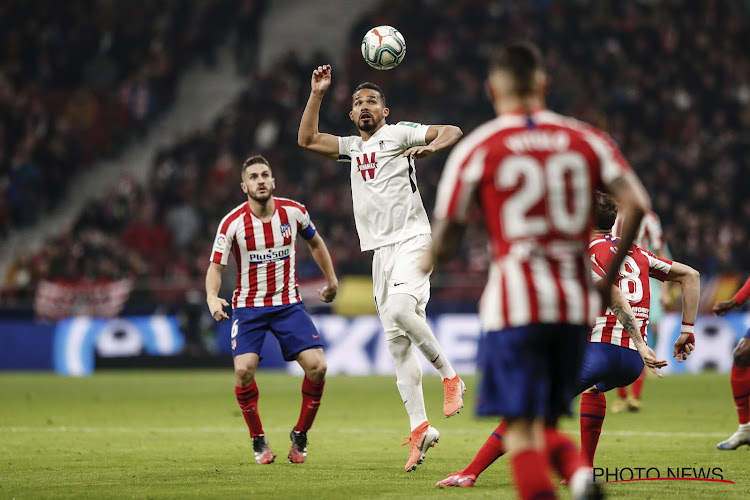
(179, 434)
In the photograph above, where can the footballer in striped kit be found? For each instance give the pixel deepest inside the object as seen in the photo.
(261, 234)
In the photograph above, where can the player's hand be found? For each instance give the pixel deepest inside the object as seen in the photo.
(721, 308)
(419, 152)
(684, 345)
(321, 78)
(328, 292)
(216, 305)
(649, 359)
(425, 261)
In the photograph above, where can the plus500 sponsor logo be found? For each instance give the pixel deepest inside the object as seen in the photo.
(271, 255)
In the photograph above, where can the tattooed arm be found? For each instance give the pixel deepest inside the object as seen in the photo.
(621, 309)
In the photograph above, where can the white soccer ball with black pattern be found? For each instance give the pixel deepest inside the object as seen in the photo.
(383, 47)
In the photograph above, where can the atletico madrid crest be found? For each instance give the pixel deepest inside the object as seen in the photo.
(286, 230)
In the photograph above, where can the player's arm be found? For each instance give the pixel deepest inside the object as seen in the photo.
(690, 285)
(437, 137)
(721, 308)
(446, 235)
(633, 202)
(213, 284)
(323, 259)
(309, 137)
(620, 307)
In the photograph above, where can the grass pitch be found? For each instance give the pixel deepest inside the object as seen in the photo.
(180, 434)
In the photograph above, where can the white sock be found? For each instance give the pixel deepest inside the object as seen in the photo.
(408, 379)
(744, 427)
(403, 309)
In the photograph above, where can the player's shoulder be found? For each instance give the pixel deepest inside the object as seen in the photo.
(486, 133)
(235, 213)
(289, 203)
(602, 241)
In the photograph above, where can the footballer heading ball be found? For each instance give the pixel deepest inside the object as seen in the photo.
(383, 47)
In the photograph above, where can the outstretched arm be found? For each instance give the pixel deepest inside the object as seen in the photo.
(213, 284)
(308, 136)
(323, 259)
(622, 310)
(446, 235)
(437, 137)
(690, 285)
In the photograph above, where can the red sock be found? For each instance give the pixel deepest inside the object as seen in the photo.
(740, 380)
(622, 392)
(531, 475)
(593, 410)
(490, 451)
(562, 453)
(311, 394)
(247, 397)
(638, 384)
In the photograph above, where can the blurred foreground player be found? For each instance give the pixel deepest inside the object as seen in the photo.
(534, 173)
(261, 234)
(617, 351)
(740, 378)
(391, 221)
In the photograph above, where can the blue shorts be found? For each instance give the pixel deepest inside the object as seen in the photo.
(608, 366)
(290, 324)
(530, 371)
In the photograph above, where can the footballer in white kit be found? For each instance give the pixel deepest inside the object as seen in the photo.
(391, 220)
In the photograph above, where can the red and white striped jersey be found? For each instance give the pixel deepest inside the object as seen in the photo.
(633, 280)
(264, 252)
(650, 234)
(535, 177)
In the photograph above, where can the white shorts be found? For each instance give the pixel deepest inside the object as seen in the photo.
(394, 270)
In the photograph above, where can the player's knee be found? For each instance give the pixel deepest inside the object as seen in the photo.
(742, 353)
(244, 374)
(317, 371)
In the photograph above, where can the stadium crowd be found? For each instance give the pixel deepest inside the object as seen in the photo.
(78, 77)
(668, 80)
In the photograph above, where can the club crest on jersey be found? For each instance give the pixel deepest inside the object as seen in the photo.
(367, 165)
(286, 230)
(381, 144)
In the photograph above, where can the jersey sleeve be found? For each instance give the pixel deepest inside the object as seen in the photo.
(305, 227)
(223, 243)
(345, 147)
(410, 134)
(459, 182)
(597, 271)
(612, 164)
(657, 267)
(743, 293)
(654, 236)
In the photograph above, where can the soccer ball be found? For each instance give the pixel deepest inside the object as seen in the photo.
(383, 47)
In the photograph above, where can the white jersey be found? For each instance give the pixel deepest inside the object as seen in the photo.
(387, 205)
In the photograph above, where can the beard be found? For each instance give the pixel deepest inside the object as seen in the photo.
(262, 198)
(366, 127)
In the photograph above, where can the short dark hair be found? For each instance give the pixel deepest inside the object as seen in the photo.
(371, 86)
(521, 60)
(253, 160)
(605, 211)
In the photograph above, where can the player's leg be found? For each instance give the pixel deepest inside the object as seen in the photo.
(408, 293)
(408, 369)
(299, 340)
(740, 381)
(491, 450)
(248, 332)
(515, 383)
(592, 413)
(566, 347)
(409, 383)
